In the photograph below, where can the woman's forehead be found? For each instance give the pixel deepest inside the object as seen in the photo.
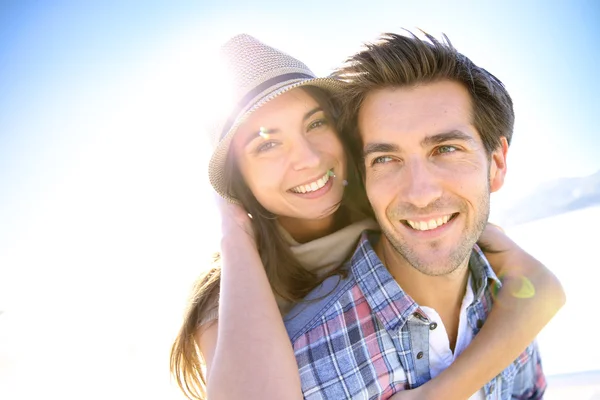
(296, 101)
(288, 108)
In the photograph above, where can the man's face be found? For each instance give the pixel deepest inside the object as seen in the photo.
(428, 176)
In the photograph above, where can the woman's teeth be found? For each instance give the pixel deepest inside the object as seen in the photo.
(428, 225)
(313, 186)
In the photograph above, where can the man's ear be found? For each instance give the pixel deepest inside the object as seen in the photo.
(498, 165)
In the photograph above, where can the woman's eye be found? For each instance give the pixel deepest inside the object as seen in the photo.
(381, 160)
(265, 146)
(446, 149)
(317, 124)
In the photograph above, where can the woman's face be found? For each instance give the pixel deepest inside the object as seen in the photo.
(288, 152)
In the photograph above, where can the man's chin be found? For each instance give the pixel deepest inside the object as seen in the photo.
(428, 266)
(432, 269)
(437, 262)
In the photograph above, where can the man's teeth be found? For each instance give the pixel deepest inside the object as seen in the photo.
(311, 187)
(428, 225)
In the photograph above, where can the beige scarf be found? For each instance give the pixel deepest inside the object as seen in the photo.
(324, 254)
(327, 253)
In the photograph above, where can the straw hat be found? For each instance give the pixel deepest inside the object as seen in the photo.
(259, 73)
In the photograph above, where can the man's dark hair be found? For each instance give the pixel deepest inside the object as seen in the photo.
(406, 61)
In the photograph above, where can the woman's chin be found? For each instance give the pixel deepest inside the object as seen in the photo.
(324, 212)
(306, 209)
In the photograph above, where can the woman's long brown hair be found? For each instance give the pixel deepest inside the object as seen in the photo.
(288, 279)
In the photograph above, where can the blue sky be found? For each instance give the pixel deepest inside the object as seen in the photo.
(57, 57)
(103, 106)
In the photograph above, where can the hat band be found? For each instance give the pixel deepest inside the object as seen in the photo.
(257, 90)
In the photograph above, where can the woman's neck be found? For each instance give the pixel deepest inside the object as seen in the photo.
(306, 230)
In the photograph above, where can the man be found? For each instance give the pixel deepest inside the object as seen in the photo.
(433, 130)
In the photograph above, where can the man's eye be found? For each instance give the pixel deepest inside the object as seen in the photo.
(381, 160)
(446, 149)
(265, 146)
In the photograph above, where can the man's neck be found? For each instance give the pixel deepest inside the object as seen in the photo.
(443, 293)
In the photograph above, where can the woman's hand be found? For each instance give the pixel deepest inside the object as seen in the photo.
(494, 240)
(506, 257)
(261, 360)
(235, 221)
(412, 394)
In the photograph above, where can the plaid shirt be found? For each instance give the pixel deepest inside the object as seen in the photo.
(362, 337)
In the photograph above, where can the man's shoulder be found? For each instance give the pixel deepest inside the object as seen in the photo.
(320, 303)
(331, 297)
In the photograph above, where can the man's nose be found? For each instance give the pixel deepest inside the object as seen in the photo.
(420, 184)
(303, 154)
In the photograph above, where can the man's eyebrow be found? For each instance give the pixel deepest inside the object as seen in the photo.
(371, 148)
(432, 140)
(445, 137)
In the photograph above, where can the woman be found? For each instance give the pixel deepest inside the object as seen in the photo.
(280, 158)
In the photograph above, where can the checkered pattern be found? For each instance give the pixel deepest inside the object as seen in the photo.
(362, 337)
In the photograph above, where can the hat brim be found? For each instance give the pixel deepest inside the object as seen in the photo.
(216, 165)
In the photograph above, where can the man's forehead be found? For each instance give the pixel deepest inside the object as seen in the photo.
(415, 111)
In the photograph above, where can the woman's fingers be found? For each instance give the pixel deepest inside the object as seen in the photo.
(493, 239)
(234, 218)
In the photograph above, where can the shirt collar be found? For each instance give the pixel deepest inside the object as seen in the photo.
(392, 306)
(482, 273)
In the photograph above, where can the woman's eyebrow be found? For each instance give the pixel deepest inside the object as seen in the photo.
(311, 113)
(263, 131)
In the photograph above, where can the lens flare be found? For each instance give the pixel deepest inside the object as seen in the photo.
(263, 133)
(520, 287)
(526, 291)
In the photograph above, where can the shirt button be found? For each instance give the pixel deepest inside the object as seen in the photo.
(479, 324)
(419, 355)
(432, 326)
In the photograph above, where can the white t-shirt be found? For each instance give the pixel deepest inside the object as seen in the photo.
(440, 355)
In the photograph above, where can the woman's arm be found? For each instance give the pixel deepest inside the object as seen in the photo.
(530, 296)
(247, 351)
